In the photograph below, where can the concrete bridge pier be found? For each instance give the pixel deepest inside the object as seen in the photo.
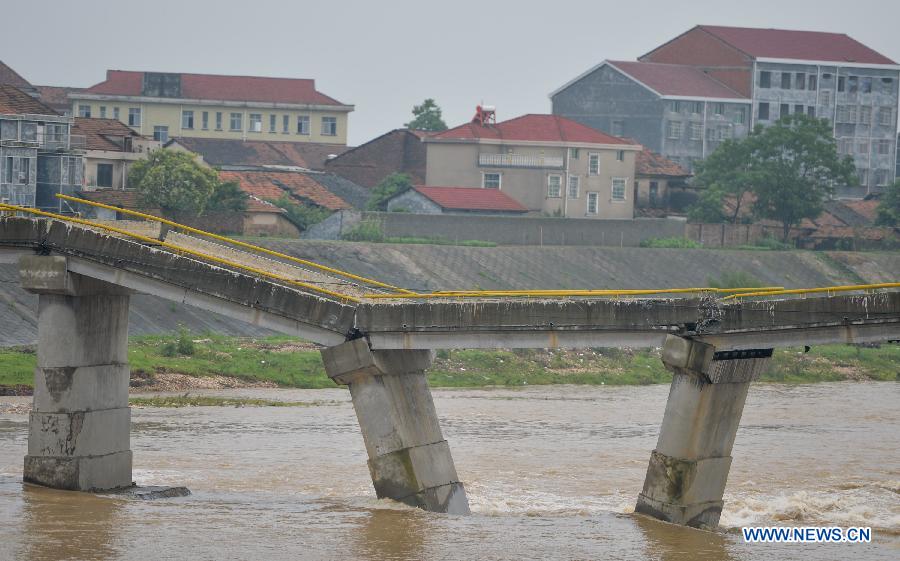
(688, 469)
(79, 429)
(409, 460)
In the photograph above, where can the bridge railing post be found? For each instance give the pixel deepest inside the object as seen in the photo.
(79, 429)
(686, 477)
(409, 460)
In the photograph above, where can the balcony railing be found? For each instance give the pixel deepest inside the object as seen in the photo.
(520, 161)
(61, 141)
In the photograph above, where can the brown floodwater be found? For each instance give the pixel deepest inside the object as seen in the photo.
(552, 472)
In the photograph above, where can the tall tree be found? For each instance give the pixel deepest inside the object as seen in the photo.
(173, 181)
(795, 166)
(391, 185)
(728, 171)
(889, 207)
(427, 117)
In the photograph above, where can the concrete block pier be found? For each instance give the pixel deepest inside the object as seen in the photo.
(688, 470)
(79, 428)
(409, 460)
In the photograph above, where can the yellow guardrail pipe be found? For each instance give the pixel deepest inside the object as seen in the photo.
(829, 289)
(176, 248)
(563, 293)
(238, 243)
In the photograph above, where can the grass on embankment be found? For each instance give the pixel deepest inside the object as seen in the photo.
(290, 363)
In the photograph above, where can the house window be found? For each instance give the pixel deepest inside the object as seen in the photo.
(811, 111)
(785, 80)
(285, 124)
(866, 84)
(84, 111)
(798, 109)
(8, 176)
(673, 129)
(573, 153)
(104, 175)
(765, 79)
(763, 112)
(825, 98)
(618, 189)
(574, 182)
(696, 131)
(851, 113)
(865, 114)
(255, 122)
(303, 124)
(863, 175)
(881, 177)
(618, 128)
(884, 146)
(218, 120)
(812, 82)
(116, 113)
(696, 107)
(800, 81)
(161, 133)
(592, 200)
(204, 120)
(852, 84)
(593, 164)
(490, 180)
(554, 186)
(102, 111)
(273, 123)
(677, 106)
(886, 116)
(620, 155)
(329, 126)
(740, 116)
(841, 83)
(237, 121)
(187, 120)
(134, 116)
(719, 109)
(784, 110)
(862, 147)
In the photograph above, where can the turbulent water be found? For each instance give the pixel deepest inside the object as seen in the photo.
(551, 473)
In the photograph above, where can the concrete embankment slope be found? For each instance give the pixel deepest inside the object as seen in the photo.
(429, 267)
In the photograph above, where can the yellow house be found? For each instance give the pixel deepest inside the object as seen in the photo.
(164, 105)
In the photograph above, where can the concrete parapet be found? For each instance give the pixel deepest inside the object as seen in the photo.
(79, 429)
(409, 460)
(688, 470)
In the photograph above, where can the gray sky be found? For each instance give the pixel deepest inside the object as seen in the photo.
(384, 56)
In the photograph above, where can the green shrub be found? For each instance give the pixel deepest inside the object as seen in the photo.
(674, 243)
(368, 230)
(185, 345)
(301, 216)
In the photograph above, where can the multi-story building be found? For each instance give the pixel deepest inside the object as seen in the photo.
(550, 164)
(164, 105)
(39, 156)
(773, 73)
(110, 149)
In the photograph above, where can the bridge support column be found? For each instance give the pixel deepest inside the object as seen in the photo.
(688, 469)
(409, 460)
(79, 430)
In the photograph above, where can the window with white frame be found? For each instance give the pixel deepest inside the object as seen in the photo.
(618, 189)
(865, 114)
(204, 120)
(218, 120)
(719, 109)
(329, 126)
(102, 111)
(592, 202)
(84, 111)
(883, 146)
(161, 133)
(696, 131)
(134, 116)
(490, 180)
(673, 129)
(696, 107)
(574, 182)
(273, 123)
(620, 155)
(187, 119)
(881, 177)
(255, 122)
(594, 164)
(237, 122)
(554, 186)
(573, 153)
(740, 116)
(285, 124)
(886, 116)
(825, 98)
(116, 113)
(303, 124)
(862, 146)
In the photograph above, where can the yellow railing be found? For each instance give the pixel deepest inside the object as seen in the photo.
(553, 293)
(826, 289)
(239, 244)
(213, 258)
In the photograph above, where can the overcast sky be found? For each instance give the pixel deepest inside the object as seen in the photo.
(385, 56)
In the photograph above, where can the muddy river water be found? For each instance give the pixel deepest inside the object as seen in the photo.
(551, 473)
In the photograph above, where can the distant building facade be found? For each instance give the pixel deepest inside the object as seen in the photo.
(715, 82)
(39, 155)
(398, 151)
(110, 149)
(166, 105)
(549, 164)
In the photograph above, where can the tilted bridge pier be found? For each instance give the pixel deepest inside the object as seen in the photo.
(379, 341)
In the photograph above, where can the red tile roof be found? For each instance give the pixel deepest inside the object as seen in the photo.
(531, 128)
(16, 102)
(800, 45)
(10, 77)
(649, 162)
(255, 204)
(103, 134)
(676, 79)
(470, 198)
(272, 185)
(222, 88)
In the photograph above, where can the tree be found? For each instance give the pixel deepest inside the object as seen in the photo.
(173, 181)
(726, 172)
(391, 185)
(427, 117)
(228, 197)
(889, 207)
(795, 166)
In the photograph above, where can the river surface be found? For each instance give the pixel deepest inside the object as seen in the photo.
(551, 472)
